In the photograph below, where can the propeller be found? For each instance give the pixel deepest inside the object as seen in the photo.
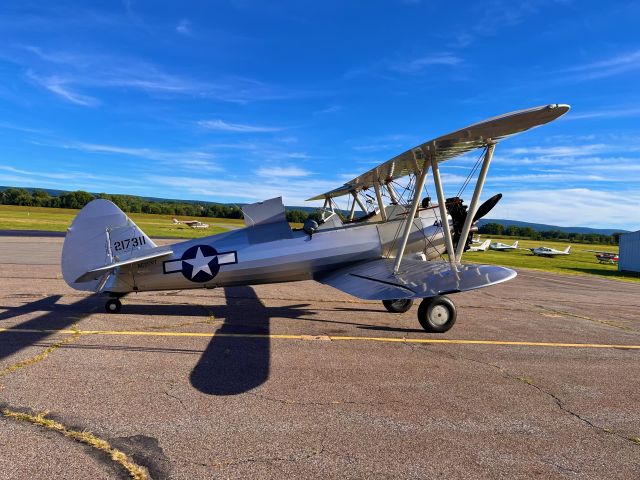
(459, 212)
(486, 207)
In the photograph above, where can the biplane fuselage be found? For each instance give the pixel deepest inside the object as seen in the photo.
(273, 253)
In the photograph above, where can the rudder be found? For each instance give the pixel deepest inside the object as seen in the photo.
(100, 234)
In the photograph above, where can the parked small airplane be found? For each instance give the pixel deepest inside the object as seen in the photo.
(605, 257)
(191, 223)
(550, 252)
(369, 257)
(480, 248)
(503, 247)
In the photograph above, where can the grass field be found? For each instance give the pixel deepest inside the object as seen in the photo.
(580, 262)
(59, 219)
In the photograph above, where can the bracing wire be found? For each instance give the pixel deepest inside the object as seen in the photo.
(472, 173)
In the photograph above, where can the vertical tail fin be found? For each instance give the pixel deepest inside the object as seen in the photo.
(568, 249)
(100, 234)
(515, 245)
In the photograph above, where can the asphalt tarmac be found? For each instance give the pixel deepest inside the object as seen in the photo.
(540, 377)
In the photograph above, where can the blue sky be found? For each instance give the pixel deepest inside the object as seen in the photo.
(242, 100)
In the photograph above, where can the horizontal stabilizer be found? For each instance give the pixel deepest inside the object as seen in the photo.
(96, 273)
(375, 280)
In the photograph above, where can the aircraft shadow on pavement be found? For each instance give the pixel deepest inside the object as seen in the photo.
(55, 317)
(235, 364)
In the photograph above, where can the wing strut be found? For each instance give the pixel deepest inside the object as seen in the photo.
(417, 191)
(444, 219)
(473, 206)
(352, 212)
(360, 204)
(383, 213)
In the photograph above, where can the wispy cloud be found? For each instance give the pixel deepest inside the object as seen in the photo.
(330, 109)
(621, 112)
(390, 69)
(495, 15)
(60, 87)
(615, 65)
(67, 73)
(184, 28)
(223, 126)
(194, 159)
(419, 64)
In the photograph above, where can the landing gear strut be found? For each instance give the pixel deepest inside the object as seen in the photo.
(437, 314)
(399, 305)
(113, 305)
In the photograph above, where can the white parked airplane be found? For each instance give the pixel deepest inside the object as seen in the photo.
(191, 223)
(501, 247)
(550, 252)
(480, 248)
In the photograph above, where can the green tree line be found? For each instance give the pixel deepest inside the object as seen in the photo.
(528, 232)
(131, 204)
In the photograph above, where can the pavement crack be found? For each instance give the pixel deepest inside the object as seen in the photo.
(176, 398)
(318, 404)
(135, 471)
(42, 355)
(559, 467)
(557, 400)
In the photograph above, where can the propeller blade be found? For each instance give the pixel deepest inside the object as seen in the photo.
(486, 207)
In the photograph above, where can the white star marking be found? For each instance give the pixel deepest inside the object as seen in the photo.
(200, 263)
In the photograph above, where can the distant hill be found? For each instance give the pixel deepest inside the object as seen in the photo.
(541, 227)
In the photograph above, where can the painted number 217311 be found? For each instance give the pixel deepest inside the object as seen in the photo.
(128, 243)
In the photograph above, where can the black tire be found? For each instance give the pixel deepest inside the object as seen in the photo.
(113, 305)
(437, 314)
(398, 305)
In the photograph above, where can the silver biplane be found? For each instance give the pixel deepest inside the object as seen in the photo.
(392, 252)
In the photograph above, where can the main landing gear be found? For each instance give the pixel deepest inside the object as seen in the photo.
(113, 305)
(435, 314)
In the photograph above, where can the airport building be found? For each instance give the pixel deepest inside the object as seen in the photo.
(629, 252)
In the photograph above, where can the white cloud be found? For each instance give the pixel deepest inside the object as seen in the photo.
(223, 126)
(559, 151)
(572, 207)
(280, 172)
(218, 189)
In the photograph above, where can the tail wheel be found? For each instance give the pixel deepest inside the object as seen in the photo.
(398, 305)
(113, 305)
(437, 314)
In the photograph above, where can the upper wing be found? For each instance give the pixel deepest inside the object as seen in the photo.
(374, 280)
(452, 145)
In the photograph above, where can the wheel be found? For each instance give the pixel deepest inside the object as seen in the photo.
(113, 305)
(398, 305)
(437, 314)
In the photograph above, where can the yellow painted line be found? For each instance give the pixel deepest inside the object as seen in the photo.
(323, 337)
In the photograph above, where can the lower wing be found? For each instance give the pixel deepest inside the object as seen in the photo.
(375, 280)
